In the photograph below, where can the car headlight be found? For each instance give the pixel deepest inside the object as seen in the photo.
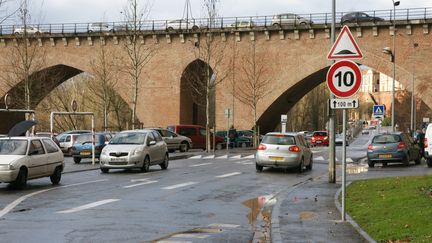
(7, 167)
(137, 151)
(104, 152)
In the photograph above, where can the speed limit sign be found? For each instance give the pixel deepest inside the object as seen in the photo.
(344, 78)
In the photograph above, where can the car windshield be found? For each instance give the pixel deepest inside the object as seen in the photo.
(279, 139)
(13, 147)
(87, 138)
(319, 134)
(129, 138)
(386, 138)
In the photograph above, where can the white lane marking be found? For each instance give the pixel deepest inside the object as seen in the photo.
(88, 206)
(15, 203)
(190, 236)
(236, 157)
(173, 241)
(200, 164)
(223, 157)
(196, 157)
(319, 158)
(209, 157)
(138, 180)
(228, 175)
(224, 225)
(247, 163)
(179, 185)
(140, 184)
(241, 161)
(252, 156)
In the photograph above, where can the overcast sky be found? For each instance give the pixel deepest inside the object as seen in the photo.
(78, 11)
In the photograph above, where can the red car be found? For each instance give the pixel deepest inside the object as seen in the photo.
(197, 134)
(319, 138)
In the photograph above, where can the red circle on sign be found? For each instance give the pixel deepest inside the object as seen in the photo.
(357, 79)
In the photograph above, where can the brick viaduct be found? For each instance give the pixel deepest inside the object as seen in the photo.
(296, 59)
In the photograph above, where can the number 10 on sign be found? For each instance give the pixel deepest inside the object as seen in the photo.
(344, 78)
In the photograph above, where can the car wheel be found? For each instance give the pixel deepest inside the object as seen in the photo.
(371, 164)
(170, 29)
(56, 176)
(309, 166)
(21, 180)
(184, 147)
(300, 167)
(406, 161)
(195, 28)
(164, 164)
(77, 160)
(219, 146)
(418, 160)
(16, 33)
(276, 25)
(258, 167)
(104, 170)
(429, 162)
(146, 165)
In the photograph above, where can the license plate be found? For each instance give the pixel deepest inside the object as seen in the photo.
(318, 141)
(276, 158)
(85, 153)
(118, 159)
(385, 156)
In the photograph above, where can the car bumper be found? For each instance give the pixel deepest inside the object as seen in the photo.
(319, 143)
(129, 162)
(86, 155)
(385, 156)
(277, 160)
(8, 175)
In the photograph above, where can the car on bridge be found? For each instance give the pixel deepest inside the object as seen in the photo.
(25, 158)
(290, 19)
(99, 27)
(31, 30)
(356, 17)
(242, 24)
(181, 24)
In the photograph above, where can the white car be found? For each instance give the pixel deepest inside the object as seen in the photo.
(135, 149)
(25, 158)
(181, 24)
(243, 24)
(100, 27)
(29, 29)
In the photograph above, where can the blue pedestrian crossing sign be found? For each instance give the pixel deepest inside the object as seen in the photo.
(378, 110)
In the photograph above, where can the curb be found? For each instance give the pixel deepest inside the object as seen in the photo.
(89, 169)
(354, 224)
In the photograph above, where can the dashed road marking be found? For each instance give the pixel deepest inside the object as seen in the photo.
(209, 157)
(319, 158)
(190, 236)
(228, 175)
(179, 185)
(222, 157)
(173, 241)
(196, 157)
(224, 225)
(88, 206)
(140, 184)
(197, 165)
(236, 157)
(252, 156)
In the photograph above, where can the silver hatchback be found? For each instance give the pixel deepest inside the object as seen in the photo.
(284, 150)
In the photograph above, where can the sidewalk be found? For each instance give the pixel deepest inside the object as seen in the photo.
(307, 213)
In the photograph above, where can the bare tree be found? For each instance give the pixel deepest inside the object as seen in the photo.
(5, 13)
(138, 54)
(253, 85)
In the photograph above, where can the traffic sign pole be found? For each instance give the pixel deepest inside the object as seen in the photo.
(332, 113)
(343, 163)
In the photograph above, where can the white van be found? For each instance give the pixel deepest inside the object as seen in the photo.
(428, 145)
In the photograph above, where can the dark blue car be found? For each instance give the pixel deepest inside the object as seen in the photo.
(82, 148)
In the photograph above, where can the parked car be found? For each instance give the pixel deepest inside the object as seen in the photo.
(181, 24)
(319, 138)
(243, 24)
(48, 135)
(99, 27)
(66, 142)
(134, 149)
(339, 139)
(365, 132)
(31, 30)
(238, 141)
(248, 134)
(284, 150)
(26, 158)
(82, 148)
(393, 147)
(289, 19)
(428, 145)
(174, 141)
(197, 134)
(356, 17)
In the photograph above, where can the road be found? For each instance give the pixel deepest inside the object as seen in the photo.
(200, 199)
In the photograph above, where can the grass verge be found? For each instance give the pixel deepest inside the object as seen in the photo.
(397, 209)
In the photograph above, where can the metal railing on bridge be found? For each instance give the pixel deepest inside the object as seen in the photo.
(248, 22)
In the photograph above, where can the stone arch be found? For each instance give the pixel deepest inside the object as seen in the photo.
(193, 86)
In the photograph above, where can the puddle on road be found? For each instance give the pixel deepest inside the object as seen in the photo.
(307, 215)
(188, 232)
(357, 169)
(260, 215)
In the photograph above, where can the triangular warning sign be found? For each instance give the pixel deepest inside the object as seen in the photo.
(345, 47)
(378, 110)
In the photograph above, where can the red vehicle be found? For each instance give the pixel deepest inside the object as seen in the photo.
(319, 138)
(197, 134)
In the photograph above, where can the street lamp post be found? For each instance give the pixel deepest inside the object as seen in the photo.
(392, 53)
(413, 102)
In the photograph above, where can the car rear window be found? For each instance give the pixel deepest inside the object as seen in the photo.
(319, 134)
(279, 139)
(387, 138)
(87, 138)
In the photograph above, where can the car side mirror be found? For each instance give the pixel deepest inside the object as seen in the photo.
(151, 143)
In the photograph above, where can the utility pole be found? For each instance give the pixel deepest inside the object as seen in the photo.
(332, 113)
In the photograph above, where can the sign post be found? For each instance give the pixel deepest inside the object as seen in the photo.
(344, 80)
(227, 115)
(284, 120)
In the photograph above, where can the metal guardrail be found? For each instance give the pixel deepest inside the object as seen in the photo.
(218, 23)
